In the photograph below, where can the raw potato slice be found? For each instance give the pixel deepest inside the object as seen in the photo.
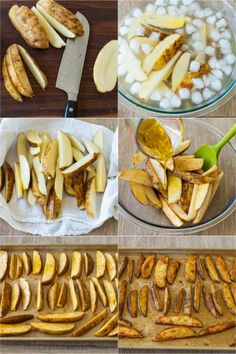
(73, 295)
(76, 265)
(183, 146)
(160, 172)
(201, 57)
(168, 22)
(161, 271)
(54, 39)
(84, 295)
(52, 296)
(24, 171)
(58, 190)
(110, 265)
(222, 269)
(9, 84)
(175, 333)
(53, 328)
(139, 192)
(152, 197)
(174, 189)
(108, 327)
(63, 20)
(174, 219)
(100, 291)
(34, 151)
(39, 296)
(76, 143)
(147, 266)
(17, 71)
(5, 303)
(62, 297)
(49, 158)
(105, 67)
(4, 264)
(12, 330)
(179, 321)
(49, 206)
(93, 296)
(180, 71)
(64, 150)
(95, 320)
(88, 263)
(133, 64)
(26, 293)
(10, 181)
(188, 163)
(37, 263)
(90, 198)
(81, 165)
(137, 176)
(40, 176)
(63, 264)
(15, 296)
(62, 317)
(111, 295)
(14, 319)
(49, 269)
(2, 178)
(27, 263)
(156, 77)
(101, 175)
(127, 332)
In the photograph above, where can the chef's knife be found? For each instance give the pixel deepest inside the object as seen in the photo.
(71, 67)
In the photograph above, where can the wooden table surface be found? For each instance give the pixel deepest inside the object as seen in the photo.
(226, 227)
(110, 227)
(102, 16)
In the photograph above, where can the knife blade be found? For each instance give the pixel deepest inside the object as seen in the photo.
(71, 67)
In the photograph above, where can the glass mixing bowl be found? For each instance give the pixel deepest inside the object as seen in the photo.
(219, 99)
(199, 132)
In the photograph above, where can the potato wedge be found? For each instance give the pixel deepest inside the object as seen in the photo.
(174, 333)
(110, 265)
(233, 291)
(15, 296)
(156, 299)
(196, 178)
(174, 219)
(12, 330)
(88, 263)
(158, 174)
(152, 197)
(93, 296)
(39, 296)
(69, 185)
(4, 264)
(64, 150)
(111, 295)
(52, 296)
(122, 266)
(5, 303)
(53, 328)
(161, 271)
(179, 321)
(233, 342)
(221, 266)
(208, 301)
(80, 165)
(233, 270)
(9, 86)
(15, 319)
(84, 295)
(216, 299)
(49, 158)
(191, 268)
(76, 265)
(37, 263)
(130, 270)
(143, 300)
(95, 320)
(62, 296)
(90, 198)
(18, 182)
(139, 265)
(184, 163)
(63, 264)
(108, 327)
(73, 295)
(148, 266)
(122, 296)
(62, 317)
(12, 266)
(228, 299)
(139, 192)
(132, 303)
(179, 300)
(49, 269)
(100, 264)
(9, 182)
(197, 295)
(138, 158)
(219, 327)
(136, 176)
(174, 189)
(79, 187)
(211, 269)
(124, 322)
(26, 293)
(127, 332)
(2, 178)
(188, 300)
(172, 271)
(27, 263)
(167, 301)
(200, 268)
(100, 290)
(180, 71)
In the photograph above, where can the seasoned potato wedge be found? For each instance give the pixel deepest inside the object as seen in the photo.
(110, 265)
(101, 293)
(95, 320)
(220, 327)
(175, 333)
(19, 267)
(233, 342)
(200, 268)
(233, 270)
(5, 303)
(63, 264)
(12, 330)
(147, 266)
(222, 269)
(62, 296)
(139, 265)
(84, 295)
(52, 296)
(49, 269)
(27, 263)
(53, 328)
(228, 298)
(114, 332)
(233, 291)
(143, 300)
(4, 264)
(216, 300)
(139, 192)
(76, 265)
(37, 263)
(62, 317)
(161, 271)
(39, 296)
(111, 295)
(132, 303)
(100, 264)
(197, 295)
(14, 319)
(73, 295)
(172, 271)
(137, 176)
(167, 301)
(108, 326)
(123, 322)
(129, 332)
(156, 299)
(191, 267)
(130, 270)
(179, 300)
(15, 296)
(122, 266)
(26, 293)
(93, 296)
(12, 265)
(179, 321)
(88, 263)
(211, 269)
(188, 300)
(208, 301)
(122, 296)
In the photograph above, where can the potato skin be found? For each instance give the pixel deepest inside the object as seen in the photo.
(129, 332)
(138, 267)
(122, 266)
(62, 15)
(10, 181)
(147, 267)
(172, 271)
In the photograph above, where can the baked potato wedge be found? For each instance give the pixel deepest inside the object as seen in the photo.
(228, 299)
(100, 264)
(122, 266)
(156, 299)
(108, 326)
(114, 332)
(110, 265)
(62, 296)
(233, 291)
(167, 301)
(52, 296)
(88, 263)
(122, 296)
(19, 267)
(179, 321)
(197, 295)
(233, 342)
(27, 263)
(49, 269)
(161, 271)
(139, 265)
(211, 269)
(216, 299)
(63, 264)
(219, 327)
(200, 268)
(129, 332)
(130, 270)
(179, 300)
(62, 317)
(93, 296)
(132, 303)
(15, 296)
(27, 24)
(123, 322)
(111, 295)
(172, 271)
(39, 296)
(53, 328)
(4, 264)
(26, 293)
(191, 267)
(73, 295)
(174, 333)
(208, 301)
(76, 264)
(5, 304)
(13, 93)
(221, 266)
(84, 295)
(147, 266)
(2, 172)
(12, 330)
(188, 301)
(100, 290)
(93, 322)
(143, 300)
(9, 182)
(12, 266)
(14, 319)
(233, 270)
(37, 263)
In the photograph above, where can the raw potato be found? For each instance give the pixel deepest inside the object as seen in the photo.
(137, 176)
(27, 263)
(130, 270)
(187, 191)
(12, 330)
(180, 70)
(190, 270)
(152, 197)
(58, 191)
(159, 173)
(175, 333)
(62, 297)
(76, 265)
(228, 298)
(84, 295)
(39, 296)
(76, 143)
(73, 295)
(10, 181)
(100, 291)
(139, 265)
(182, 147)
(179, 321)
(27, 24)
(143, 300)
(186, 163)
(222, 269)
(14, 319)
(104, 70)
(196, 178)
(157, 302)
(107, 327)
(5, 303)
(93, 296)
(40, 176)
(111, 295)
(49, 269)
(63, 20)
(49, 158)
(161, 271)
(79, 187)
(37, 263)
(95, 320)
(90, 198)
(9, 85)
(138, 191)
(212, 272)
(174, 189)
(174, 219)
(38, 74)
(172, 271)
(132, 303)
(88, 263)
(147, 267)
(122, 266)
(53, 328)
(34, 139)
(63, 264)
(62, 317)
(64, 150)
(26, 293)
(110, 265)
(122, 296)
(220, 327)
(100, 264)
(4, 264)
(167, 21)
(49, 207)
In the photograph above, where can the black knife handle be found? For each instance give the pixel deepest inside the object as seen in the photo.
(71, 109)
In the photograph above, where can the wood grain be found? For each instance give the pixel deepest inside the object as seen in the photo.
(102, 16)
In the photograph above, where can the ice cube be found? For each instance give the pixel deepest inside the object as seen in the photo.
(194, 66)
(135, 88)
(135, 46)
(221, 23)
(196, 36)
(174, 2)
(196, 97)
(129, 78)
(208, 12)
(165, 103)
(226, 50)
(207, 93)
(218, 73)
(129, 21)
(151, 8)
(156, 96)
(155, 36)
(189, 28)
(227, 69)
(175, 101)
(210, 51)
(124, 30)
(230, 58)
(160, 2)
(137, 13)
(146, 48)
(140, 31)
(187, 2)
(224, 43)
(226, 34)
(184, 93)
(161, 11)
(120, 59)
(122, 70)
(211, 20)
(198, 46)
(197, 22)
(216, 85)
(215, 35)
(219, 15)
(198, 83)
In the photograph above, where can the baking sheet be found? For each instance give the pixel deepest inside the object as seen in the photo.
(34, 335)
(147, 325)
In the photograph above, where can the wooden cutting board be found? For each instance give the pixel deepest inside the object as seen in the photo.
(102, 17)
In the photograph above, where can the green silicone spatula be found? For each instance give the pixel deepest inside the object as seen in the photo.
(210, 153)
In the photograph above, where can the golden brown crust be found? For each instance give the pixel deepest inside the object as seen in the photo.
(172, 271)
(219, 327)
(147, 266)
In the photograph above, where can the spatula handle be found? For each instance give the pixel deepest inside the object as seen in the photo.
(71, 109)
(231, 133)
